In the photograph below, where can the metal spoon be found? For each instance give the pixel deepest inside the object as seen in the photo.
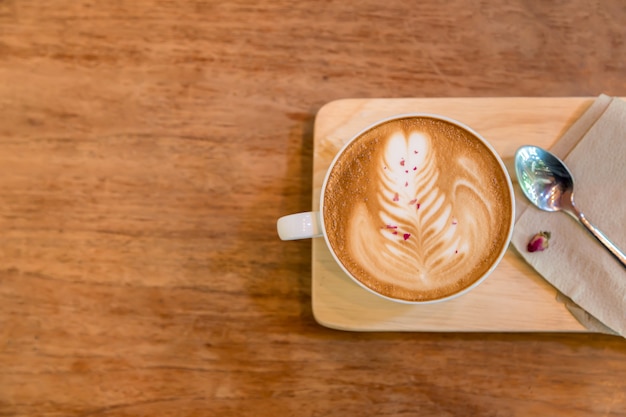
(548, 184)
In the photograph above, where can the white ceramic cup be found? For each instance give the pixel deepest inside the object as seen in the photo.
(311, 224)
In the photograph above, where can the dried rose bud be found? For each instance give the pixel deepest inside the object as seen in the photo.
(539, 242)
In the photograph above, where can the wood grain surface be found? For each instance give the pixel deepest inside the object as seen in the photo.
(147, 148)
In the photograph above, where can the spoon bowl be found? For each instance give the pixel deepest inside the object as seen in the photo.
(544, 178)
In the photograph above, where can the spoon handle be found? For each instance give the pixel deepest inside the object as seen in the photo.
(601, 238)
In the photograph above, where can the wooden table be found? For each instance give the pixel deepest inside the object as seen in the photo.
(147, 148)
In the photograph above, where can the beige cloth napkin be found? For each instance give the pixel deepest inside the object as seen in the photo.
(592, 281)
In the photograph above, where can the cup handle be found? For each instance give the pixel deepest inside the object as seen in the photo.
(299, 226)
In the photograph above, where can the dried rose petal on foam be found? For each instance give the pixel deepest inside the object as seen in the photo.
(539, 242)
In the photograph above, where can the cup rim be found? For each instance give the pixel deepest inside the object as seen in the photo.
(461, 125)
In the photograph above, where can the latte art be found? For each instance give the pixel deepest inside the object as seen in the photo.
(417, 209)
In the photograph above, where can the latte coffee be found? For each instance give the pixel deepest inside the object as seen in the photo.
(418, 208)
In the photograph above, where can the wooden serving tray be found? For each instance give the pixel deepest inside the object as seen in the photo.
(514, 298)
